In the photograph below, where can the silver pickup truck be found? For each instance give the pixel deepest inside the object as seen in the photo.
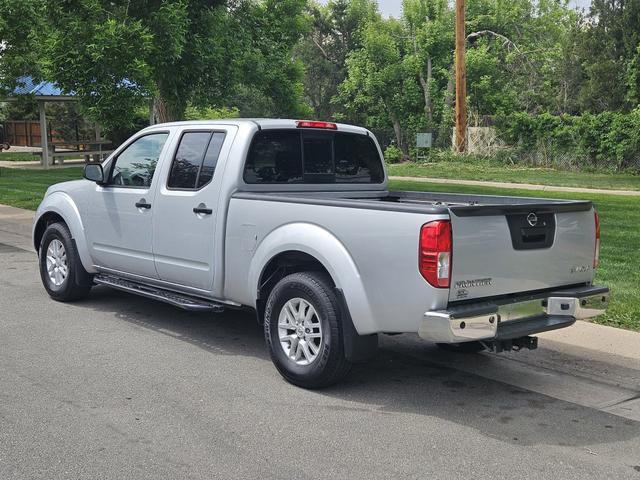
(294, 220)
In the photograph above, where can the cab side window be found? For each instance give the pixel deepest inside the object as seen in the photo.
(275, 157)
(136, 164)
(195, 160)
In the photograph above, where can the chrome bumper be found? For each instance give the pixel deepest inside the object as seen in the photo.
(513, 318)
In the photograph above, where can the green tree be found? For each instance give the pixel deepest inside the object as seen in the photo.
(115, 54)
(429, 35)
(336, 31)
(381, 81)
(20, 24)
(518, 57)
(609, 49)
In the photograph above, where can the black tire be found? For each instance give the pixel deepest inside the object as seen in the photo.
(78, 282)
(466, 347)
(330, 364)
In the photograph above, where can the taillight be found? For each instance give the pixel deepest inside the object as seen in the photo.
(434, 258)
(314, 124)
(596, 254)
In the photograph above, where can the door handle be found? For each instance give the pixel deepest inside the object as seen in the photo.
(143, 204)
(202, 210)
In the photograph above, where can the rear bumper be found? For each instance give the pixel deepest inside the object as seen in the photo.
(514, 318)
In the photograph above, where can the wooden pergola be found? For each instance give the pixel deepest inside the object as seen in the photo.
(43, 93)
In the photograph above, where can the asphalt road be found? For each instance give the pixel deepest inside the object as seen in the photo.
(122, 387)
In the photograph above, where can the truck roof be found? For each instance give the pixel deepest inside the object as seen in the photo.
(262, 123)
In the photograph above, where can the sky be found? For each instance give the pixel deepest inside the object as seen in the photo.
(393, 7)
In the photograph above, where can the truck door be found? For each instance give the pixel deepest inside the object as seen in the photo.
(187, 200)
(119, 218)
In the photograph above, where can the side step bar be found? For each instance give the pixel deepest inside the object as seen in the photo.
(186, 302)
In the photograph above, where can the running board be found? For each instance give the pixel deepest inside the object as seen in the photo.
(186, 302)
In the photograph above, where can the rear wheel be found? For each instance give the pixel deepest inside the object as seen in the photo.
(466, 347)
(63, 276)
(303, 330)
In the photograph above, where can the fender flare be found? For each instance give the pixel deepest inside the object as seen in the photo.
(63, 205)
(331, 253)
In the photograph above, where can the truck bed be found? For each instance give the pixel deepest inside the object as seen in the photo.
(497, 249)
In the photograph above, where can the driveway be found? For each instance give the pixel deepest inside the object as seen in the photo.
(118, 386)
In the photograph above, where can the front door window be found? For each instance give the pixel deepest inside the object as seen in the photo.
(136, 164)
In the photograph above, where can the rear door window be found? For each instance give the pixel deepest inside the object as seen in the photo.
(312, 156)
(195, 160)
(210, 159)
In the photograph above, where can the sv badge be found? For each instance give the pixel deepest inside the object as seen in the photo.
(580, 269)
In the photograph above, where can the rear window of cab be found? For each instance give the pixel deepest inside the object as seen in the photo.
(312, 156)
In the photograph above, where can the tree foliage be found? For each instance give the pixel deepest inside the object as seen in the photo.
(338, 60)
(609, 47)
(524, 56)
(116, 54)
(336, 31)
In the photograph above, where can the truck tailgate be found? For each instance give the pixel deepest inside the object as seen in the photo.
(505, 252)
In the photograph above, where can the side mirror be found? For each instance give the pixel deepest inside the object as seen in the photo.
(93, 172)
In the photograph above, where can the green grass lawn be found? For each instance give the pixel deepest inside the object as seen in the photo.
(620, 218)
(19, 157)
(25, 188)
(620, 251)
(486, 170)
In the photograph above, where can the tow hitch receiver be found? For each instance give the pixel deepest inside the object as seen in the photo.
(513, 344)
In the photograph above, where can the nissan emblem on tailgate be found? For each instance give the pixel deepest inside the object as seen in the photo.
(532, 218)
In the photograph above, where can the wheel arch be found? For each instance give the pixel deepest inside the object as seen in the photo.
(299, 246)
(60, 207)
(46, 219)
(357, 348)
(281, 265)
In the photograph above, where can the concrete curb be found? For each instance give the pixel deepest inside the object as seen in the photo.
(599, 338)
(523, 186)
(35, 165)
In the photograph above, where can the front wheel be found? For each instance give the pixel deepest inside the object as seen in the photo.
(303, 330)
(63, 276)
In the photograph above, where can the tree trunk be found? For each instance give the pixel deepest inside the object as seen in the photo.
(160, 114)
(165, 110)
(450, 85)
(444, 137)
(426, 83)
(397, 129)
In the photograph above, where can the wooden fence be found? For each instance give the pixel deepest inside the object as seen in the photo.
(26, 133)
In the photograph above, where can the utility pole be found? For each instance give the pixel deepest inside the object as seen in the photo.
(461, 81)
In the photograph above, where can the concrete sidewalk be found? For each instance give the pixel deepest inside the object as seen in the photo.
(612, 343)
(523, 186)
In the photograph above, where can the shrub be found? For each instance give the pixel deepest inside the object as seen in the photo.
(392, 154)
(604, 141)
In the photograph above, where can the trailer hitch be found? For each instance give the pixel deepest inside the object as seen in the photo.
(512, 344)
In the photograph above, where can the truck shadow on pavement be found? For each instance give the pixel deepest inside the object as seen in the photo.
(393, 382)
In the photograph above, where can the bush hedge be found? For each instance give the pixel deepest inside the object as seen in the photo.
(609, 140)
